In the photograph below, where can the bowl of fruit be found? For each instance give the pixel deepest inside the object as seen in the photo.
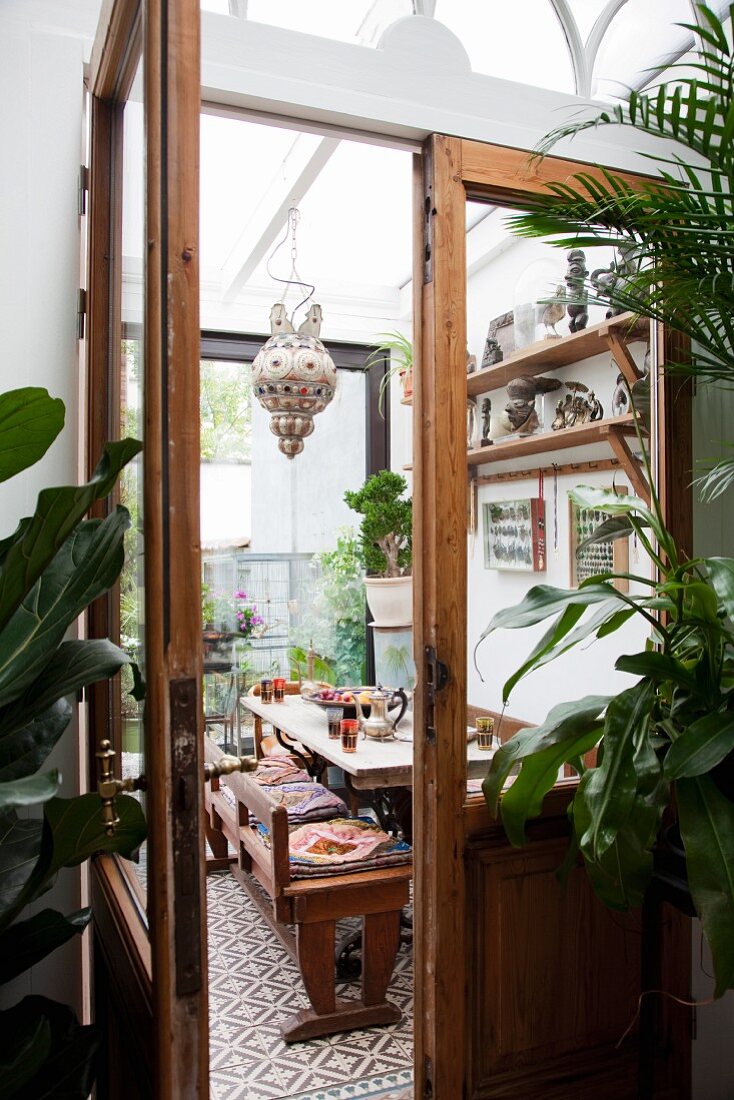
(349, 697)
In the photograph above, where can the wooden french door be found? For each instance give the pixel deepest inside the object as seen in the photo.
(522, 990)
(150, 962)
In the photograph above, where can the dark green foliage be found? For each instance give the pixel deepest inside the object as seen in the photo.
(668, 731)
(681, 222)
(386, 531)
(51, 569)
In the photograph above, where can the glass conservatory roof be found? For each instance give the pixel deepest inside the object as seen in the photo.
(590, 47)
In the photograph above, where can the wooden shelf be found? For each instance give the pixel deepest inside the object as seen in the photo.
(612, 431)
(598, 431)
(549, 355)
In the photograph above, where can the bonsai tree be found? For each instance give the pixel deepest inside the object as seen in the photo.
(386, 530)
(51, 568)
(672, 732)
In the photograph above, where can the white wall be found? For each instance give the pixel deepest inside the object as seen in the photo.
(41, 71)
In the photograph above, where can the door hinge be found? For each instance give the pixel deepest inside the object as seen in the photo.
(83, 189)
(427, 1078)
(429, 216)
(81, 314)
(436, 678)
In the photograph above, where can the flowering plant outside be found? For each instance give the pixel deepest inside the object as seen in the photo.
(250, 623)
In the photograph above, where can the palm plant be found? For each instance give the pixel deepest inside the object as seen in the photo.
(681, 222)
(672, 732)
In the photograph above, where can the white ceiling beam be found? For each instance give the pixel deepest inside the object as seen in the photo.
(301, 166)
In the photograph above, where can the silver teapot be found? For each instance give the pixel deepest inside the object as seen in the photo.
(379, 724)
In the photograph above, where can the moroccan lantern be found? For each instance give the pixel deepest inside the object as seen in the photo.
(293, 377)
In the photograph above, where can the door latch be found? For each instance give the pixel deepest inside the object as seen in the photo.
(437, 677)
(109, 786)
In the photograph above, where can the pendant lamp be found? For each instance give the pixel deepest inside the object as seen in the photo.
(293, 375)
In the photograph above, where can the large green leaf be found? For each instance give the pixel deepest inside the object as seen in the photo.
(539, 772)
(607, 792)
(658, 667)
(25, 1044)
(58, 511)
(701, 747)
(560, 638)
(721, 572)
(543, 600)
(72, 831)
(85, 567)
(565, 723)
(707, 826)
(27, 942)
(29, 791)
(64, 1070)
(74, 665)
(23, 750)
(20, 847)
(30, 420)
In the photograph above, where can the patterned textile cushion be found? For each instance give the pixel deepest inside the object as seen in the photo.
(474, 786)
(273, 770)
(340, 845)
(306, 802)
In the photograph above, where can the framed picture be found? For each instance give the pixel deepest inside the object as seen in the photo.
(602, 557)
(514, 535)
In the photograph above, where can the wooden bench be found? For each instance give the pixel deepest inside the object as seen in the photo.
(313, 905)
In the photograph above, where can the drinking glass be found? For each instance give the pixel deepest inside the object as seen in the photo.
(335, 715)
(349, 734)
(485, 732)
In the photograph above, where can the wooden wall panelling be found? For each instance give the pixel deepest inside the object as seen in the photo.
(553, 978)
(440, 493)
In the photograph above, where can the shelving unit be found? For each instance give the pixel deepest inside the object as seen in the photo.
(613, 430)
(547, 355)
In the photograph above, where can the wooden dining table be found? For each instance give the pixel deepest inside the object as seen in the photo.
(380, 771)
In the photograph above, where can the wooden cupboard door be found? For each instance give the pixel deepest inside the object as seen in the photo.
(150, 956)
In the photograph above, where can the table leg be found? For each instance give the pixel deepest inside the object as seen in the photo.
(393, 807)
(315, 765)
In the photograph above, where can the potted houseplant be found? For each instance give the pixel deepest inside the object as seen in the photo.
(385, 546)
(667, 741)
(400, 350)
(52, 567)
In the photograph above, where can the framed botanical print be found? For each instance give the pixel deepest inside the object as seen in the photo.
(514, 535)
(609, 556)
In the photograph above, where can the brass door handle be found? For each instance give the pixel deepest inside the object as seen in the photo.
(109, 786)
(226, 765)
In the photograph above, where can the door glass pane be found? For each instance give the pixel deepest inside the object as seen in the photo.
(130, 411)
(542, 404)
(280, 569)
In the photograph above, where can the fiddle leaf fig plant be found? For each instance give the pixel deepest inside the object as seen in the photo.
(670, 733)
(51, 568)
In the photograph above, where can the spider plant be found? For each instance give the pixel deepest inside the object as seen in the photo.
(400, 350)
(681, 221)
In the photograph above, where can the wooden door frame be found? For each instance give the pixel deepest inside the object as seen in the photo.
(451, 171)
(160, 979)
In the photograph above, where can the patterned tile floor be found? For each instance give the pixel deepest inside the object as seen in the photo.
(254, 985)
